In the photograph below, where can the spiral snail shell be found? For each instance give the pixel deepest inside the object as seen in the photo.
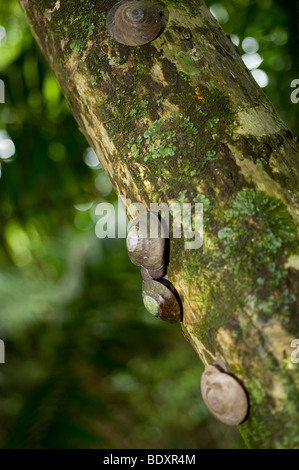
(133, 23)
(224, 396)
(144, 250)
(160, 301)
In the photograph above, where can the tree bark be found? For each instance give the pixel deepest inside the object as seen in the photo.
(181, 119)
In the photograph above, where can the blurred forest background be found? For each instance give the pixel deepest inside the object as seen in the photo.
(86, 366)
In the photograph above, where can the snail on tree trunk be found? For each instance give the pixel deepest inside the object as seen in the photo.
(133, 23)
(224, 396)
(147, 250)
(161, 301)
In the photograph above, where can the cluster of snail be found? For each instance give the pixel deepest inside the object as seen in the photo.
(159, 297)
(222, 394)
(133, 23)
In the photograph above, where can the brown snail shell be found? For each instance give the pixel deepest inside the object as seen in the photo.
(133, 23)
(160, 301)
(143, 249)
(224, 396)
(148, 275)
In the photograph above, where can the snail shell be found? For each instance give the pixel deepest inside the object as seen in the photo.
(133, 23)
(160, 301)
(148, 275)
(224, 397)
(144, 250)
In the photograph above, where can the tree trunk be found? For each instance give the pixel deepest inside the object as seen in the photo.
(224, 146)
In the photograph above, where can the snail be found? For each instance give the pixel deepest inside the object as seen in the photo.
(133, 23)
(224, 396)
(159, 297)
(148, 275)
(144, 250)
(160, 301)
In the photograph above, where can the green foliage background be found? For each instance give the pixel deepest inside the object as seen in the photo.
(86, 366)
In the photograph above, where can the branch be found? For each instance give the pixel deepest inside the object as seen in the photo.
(181, 119)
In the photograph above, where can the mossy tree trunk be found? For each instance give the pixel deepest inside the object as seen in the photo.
(182, 119)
